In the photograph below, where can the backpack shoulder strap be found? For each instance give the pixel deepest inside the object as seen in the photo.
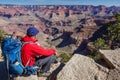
(23, 43)
(30, 57)
(28, 62)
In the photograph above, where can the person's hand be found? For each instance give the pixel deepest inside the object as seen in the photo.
(56, 53)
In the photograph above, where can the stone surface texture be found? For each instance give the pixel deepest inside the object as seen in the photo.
(82, 68)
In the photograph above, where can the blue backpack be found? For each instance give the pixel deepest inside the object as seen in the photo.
(11, 52)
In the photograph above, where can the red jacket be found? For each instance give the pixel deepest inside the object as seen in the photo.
(30, 50)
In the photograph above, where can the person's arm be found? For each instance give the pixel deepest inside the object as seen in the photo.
(40, 51)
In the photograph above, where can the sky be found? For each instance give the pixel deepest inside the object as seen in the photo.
(63, 2)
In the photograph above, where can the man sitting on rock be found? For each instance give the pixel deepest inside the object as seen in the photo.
(31, 50)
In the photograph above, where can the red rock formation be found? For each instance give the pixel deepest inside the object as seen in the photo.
(103, 9)
(71, 12)
(13, 11)
(61, 12)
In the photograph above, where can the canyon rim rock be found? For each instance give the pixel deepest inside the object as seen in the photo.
(112, 57)
(82, 68)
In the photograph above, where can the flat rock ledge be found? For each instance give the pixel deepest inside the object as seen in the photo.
(31, 77)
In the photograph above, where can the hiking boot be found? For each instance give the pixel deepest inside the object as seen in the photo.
(45, 74)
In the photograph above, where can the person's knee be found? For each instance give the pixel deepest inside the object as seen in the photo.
(52, 57)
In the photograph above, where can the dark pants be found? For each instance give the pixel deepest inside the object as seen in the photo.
(45, 62)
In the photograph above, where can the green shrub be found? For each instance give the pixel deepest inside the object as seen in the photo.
(94, 54)
(113, 32)
(2, 36)
(100, 44)
(65, 57)
(111, 39)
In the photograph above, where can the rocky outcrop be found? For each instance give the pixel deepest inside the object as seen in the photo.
(112, 57)
(82, 68)
(114, 74)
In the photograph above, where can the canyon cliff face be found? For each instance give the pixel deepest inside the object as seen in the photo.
(69, 29)
(66, 27)
(53, 16)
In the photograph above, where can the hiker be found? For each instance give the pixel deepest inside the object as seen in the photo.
(41, 57)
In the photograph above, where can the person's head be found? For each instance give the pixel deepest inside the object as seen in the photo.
(32, 31)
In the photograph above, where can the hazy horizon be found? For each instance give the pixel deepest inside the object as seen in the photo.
(62, 2)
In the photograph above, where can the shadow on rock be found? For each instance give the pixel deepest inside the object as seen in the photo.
(3, 71)
(54, 74)
(98, 33)
(81, 48)
(67, 39)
